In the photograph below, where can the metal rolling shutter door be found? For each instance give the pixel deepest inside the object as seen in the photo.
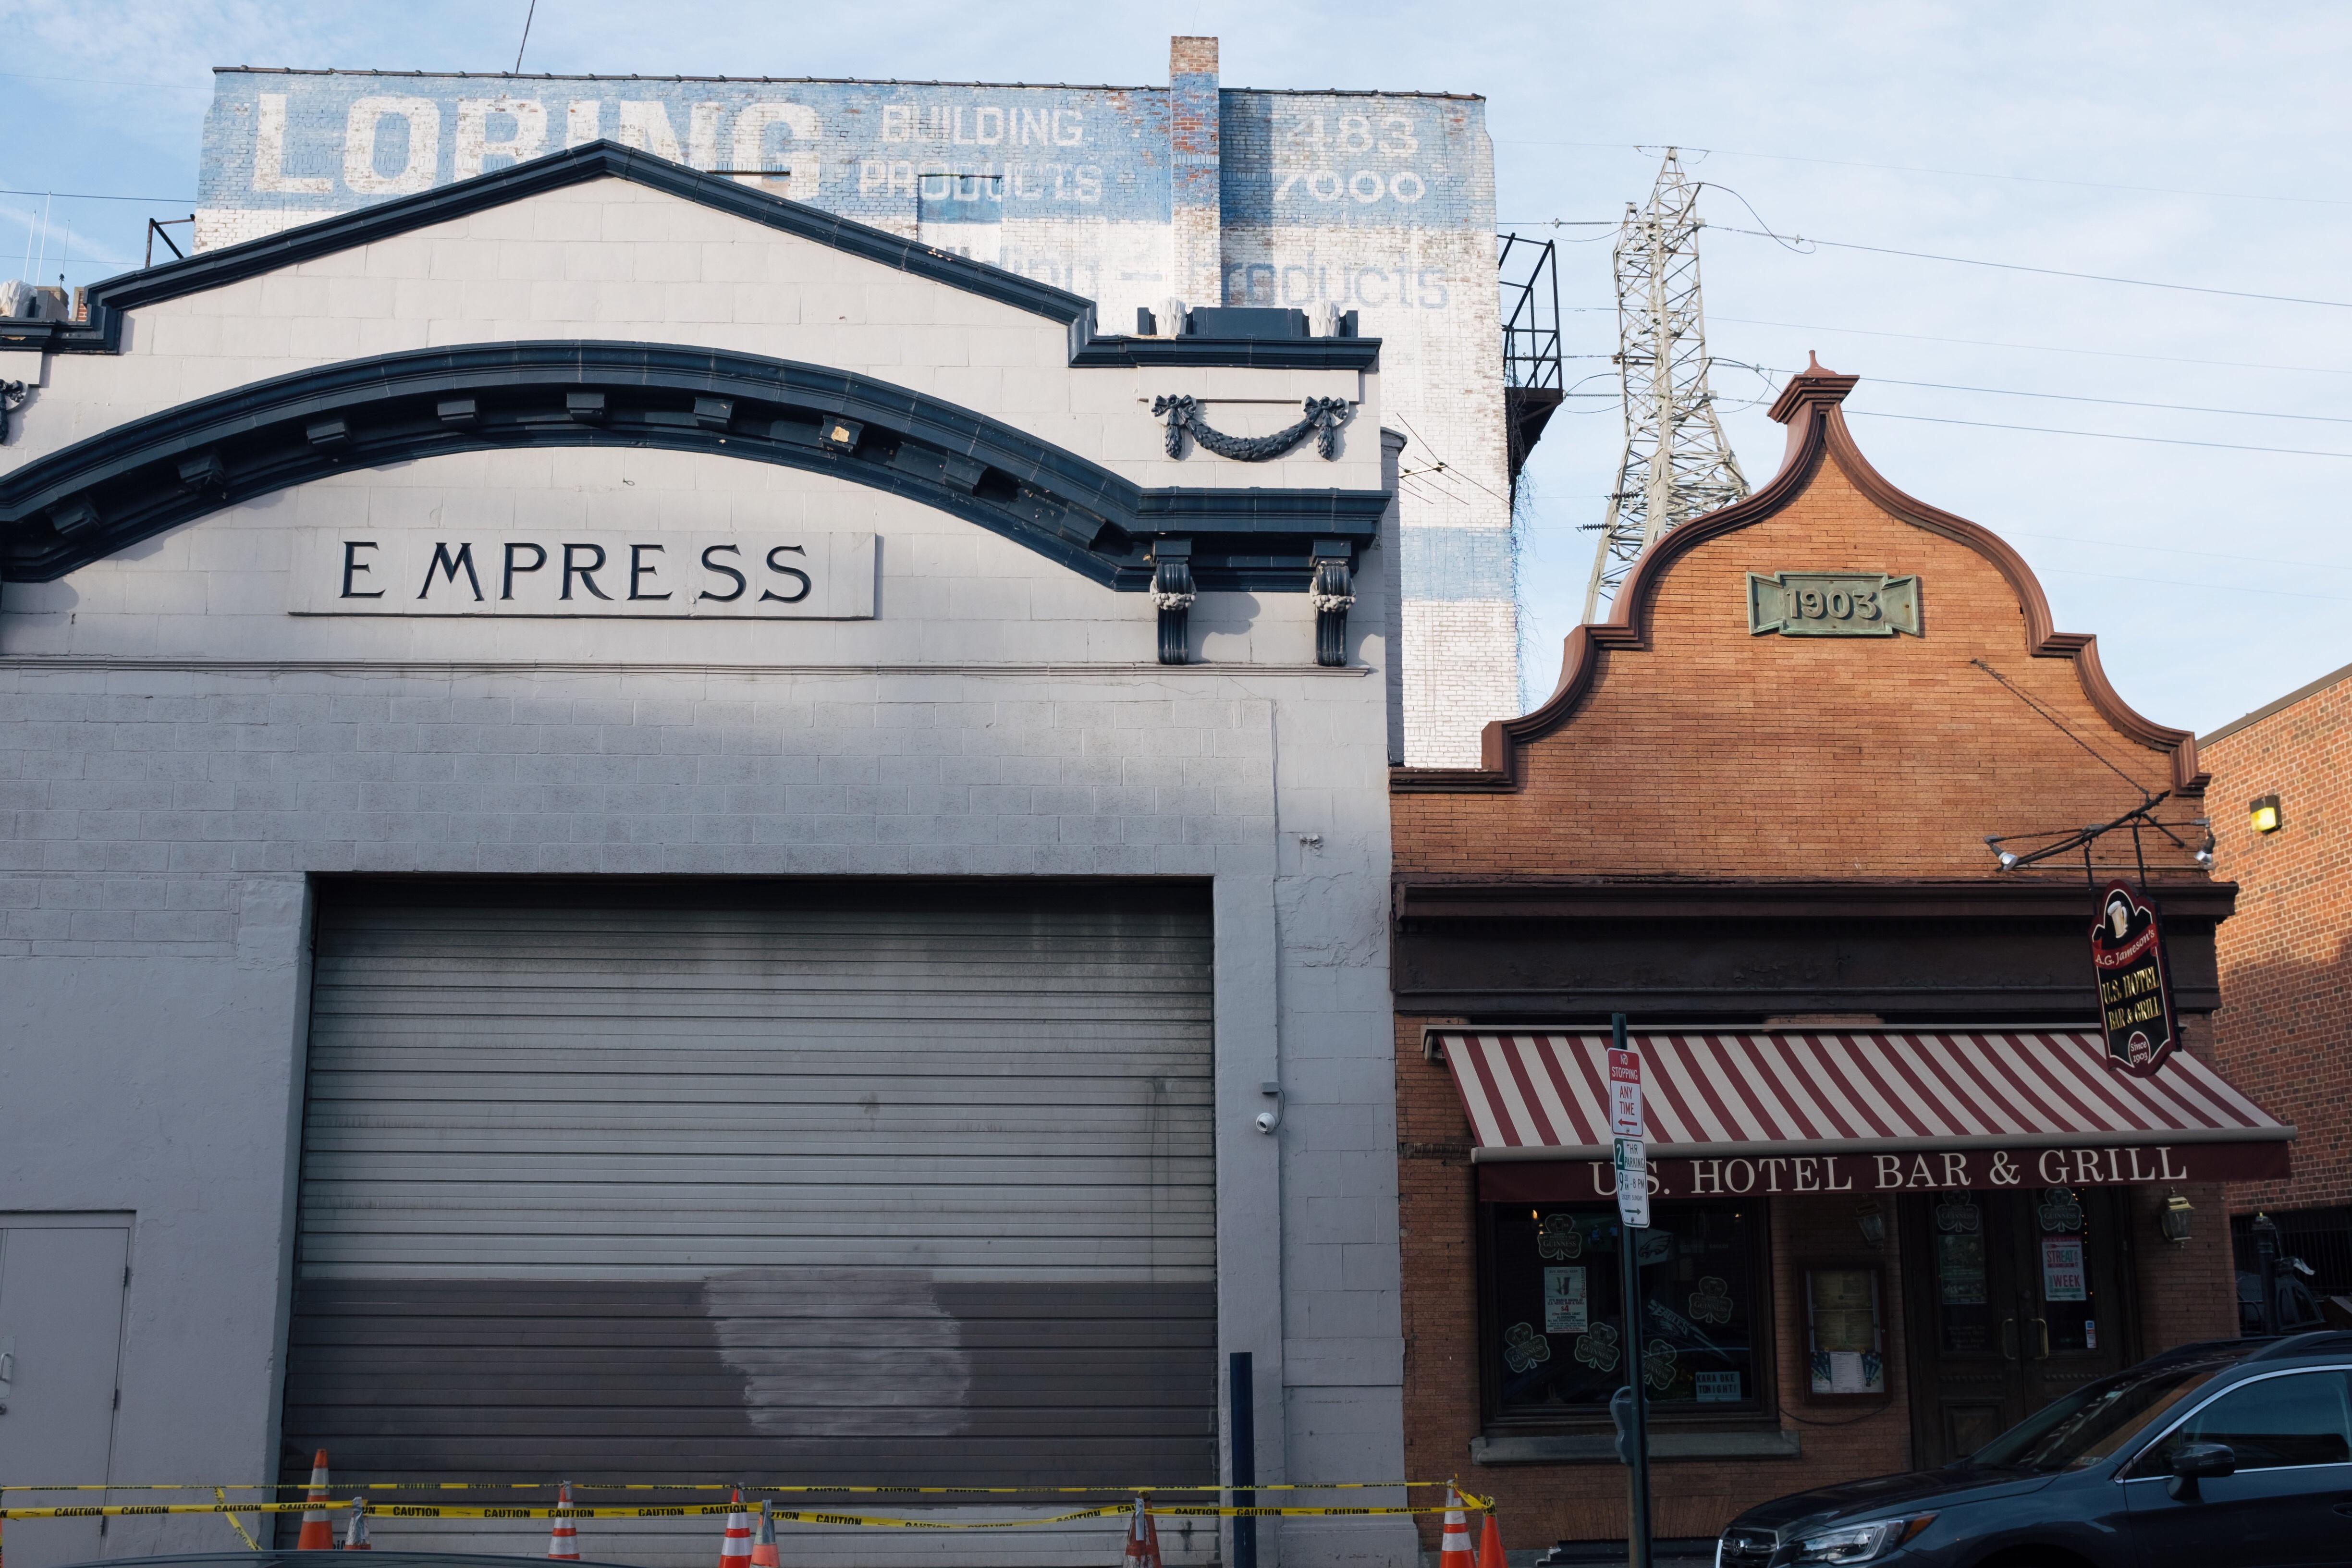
(825, 1181)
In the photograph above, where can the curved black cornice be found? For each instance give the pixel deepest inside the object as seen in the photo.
(102, 333)
(98, 496)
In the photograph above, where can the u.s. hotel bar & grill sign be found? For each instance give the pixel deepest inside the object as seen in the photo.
(1785, 1112)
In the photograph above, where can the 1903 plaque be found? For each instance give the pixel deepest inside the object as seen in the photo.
(1833, 605)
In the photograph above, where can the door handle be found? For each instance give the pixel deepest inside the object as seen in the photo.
(2008, 1339)
(2041, 1329)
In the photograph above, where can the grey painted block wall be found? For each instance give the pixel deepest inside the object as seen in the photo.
(178, 757)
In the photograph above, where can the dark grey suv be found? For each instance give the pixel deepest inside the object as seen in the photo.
(2232, 1454)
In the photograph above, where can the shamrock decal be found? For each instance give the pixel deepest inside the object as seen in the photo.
(1523, 1348)
(1559, 1238)
(1596, 1348)
(2061, 1209)
(1711, 1302)
(1658, 1364)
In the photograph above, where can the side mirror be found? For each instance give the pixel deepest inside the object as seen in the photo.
(2195, 1462)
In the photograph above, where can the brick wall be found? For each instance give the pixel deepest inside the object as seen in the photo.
(2285, 1030)
(1714, 754)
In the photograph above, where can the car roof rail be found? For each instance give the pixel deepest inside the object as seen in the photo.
(2200, 1350)
(2316, 1341)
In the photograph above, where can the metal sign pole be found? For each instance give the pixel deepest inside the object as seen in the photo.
(1633, 1216)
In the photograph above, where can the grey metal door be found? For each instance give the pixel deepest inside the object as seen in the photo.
(61, 1284)
(874, 1181)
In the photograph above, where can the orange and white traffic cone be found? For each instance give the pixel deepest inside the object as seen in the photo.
(317, 1531)
(735, 1552)
(1152, 1537)
(355, 1535)
(563, 1539)
(1490, 1544)
(763, 1545)
(1454, 1548)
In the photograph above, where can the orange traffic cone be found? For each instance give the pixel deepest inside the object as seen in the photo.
(735, 1552)
(318, 1531)
(355, 1535)
(1454, 1548)
(763, 1545)
(563, 1539)
(1152, 1537)
(1139, 1552)
(1490, 1544)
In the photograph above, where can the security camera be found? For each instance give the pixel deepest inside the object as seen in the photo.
(1268, 1121)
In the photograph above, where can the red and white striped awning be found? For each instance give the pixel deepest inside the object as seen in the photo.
(1543, 1096)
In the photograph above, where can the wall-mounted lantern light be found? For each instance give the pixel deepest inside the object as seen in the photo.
(1873, 1221)
(2264, 814)
(2174, 1218)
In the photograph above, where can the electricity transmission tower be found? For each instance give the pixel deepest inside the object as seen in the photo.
(1676, 463)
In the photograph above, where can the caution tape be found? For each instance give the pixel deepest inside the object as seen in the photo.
(703, 1510)
(704, 1486)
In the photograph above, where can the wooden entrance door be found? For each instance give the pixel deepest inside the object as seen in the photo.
(2015, 1299)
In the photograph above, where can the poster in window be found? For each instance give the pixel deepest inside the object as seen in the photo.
(1566, 1308)
(1843, 1304)
(1716, 1387)
(2063, 1278)
(1961, 1269)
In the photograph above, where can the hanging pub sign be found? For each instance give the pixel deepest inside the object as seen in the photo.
(2135, 993)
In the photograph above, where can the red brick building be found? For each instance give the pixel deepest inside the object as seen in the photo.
(2285, 1022)
(1900, 1195)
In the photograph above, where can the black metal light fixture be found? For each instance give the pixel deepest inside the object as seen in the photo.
(1872, 1219)
(2175, 1218)
(2264, 813)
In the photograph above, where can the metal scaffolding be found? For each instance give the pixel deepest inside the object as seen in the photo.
(1676, 463)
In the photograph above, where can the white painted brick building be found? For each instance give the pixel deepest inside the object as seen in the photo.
(1379, 204)
(827, 1048)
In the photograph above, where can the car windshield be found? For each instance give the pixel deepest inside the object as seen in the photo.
(2096, 1420)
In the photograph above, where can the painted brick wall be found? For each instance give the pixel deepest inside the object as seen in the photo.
(178, 755)
(1382, 203)
(2285, 1025)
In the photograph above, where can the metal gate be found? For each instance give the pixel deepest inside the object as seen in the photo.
(876, 1181)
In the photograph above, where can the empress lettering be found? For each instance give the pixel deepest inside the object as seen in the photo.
(744, 575)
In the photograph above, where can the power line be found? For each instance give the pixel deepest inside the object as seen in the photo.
(2201, 588)
(106, 82)
(1961, 174)
(88, 196)
(527, 16)
(2044, 271)
(2175, 550)
(2030, 347)
(2096, 435)
(2072, 397)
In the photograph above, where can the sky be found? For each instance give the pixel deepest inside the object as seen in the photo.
(2201, 146)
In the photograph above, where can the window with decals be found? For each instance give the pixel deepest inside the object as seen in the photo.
(1555, 1323)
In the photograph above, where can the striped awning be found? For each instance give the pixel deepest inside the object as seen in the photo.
(1747, 1096)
